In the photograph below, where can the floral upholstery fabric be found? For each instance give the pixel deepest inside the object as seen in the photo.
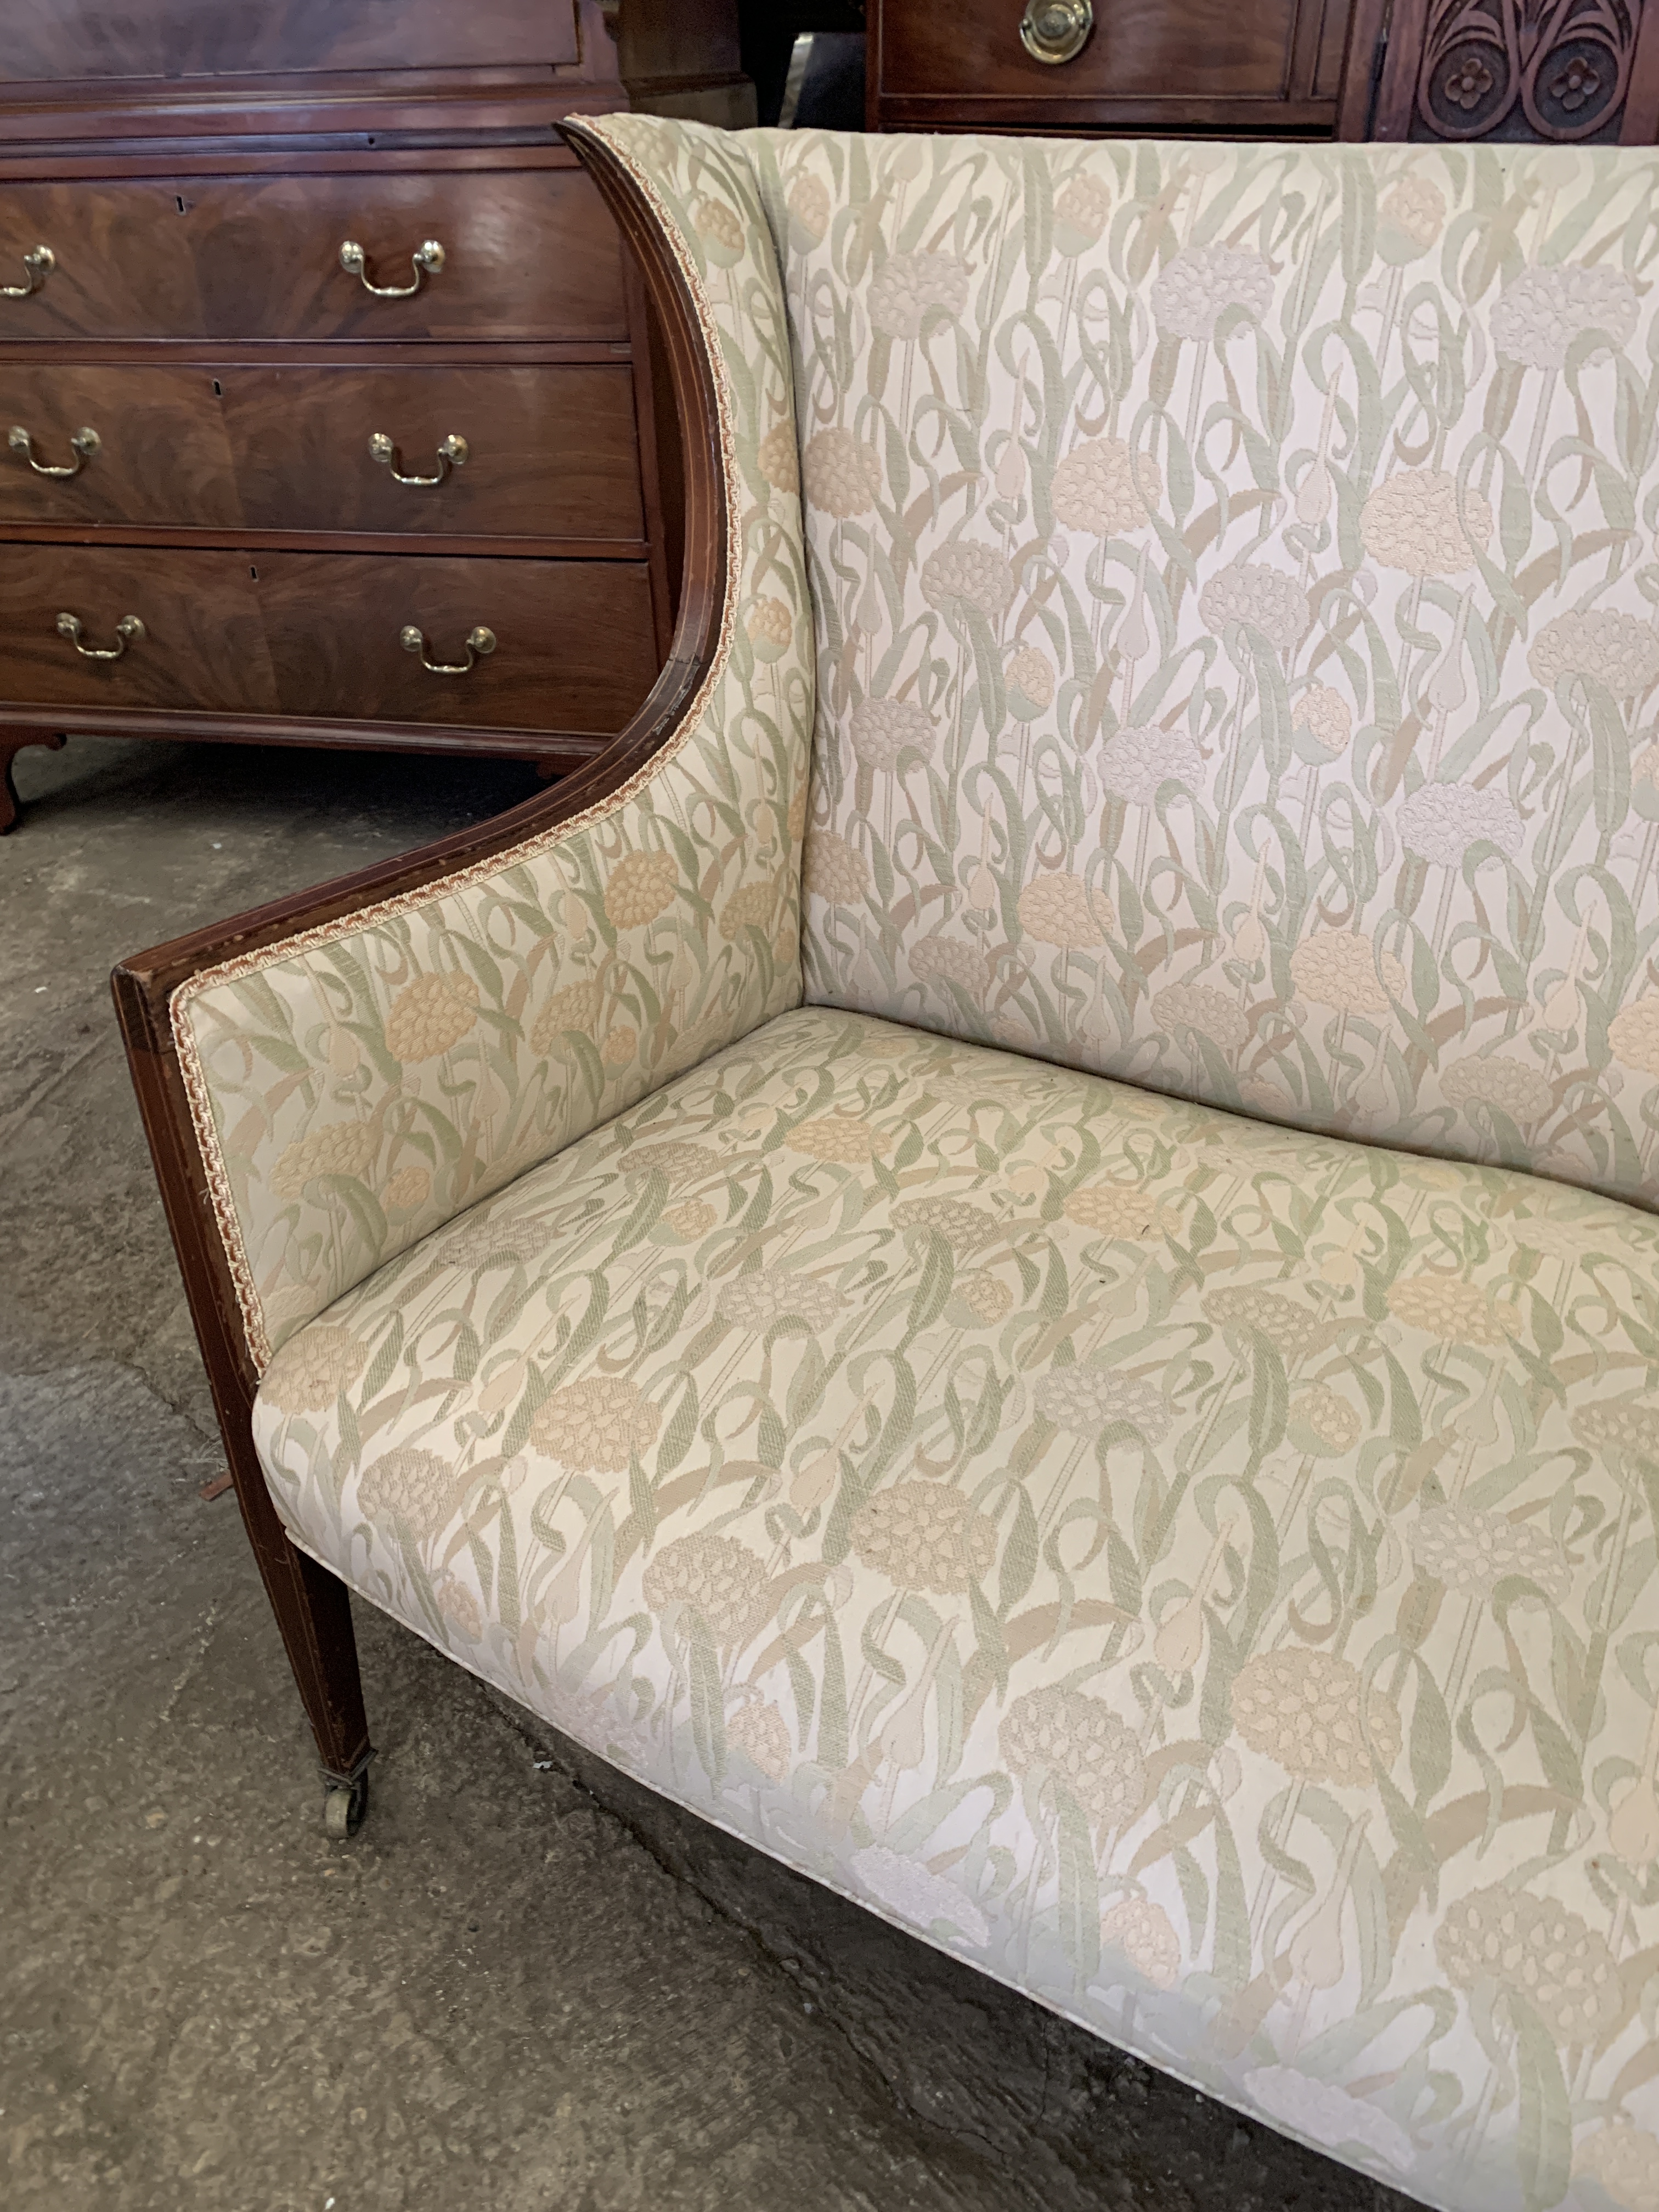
(354, 1088)
(1200, 1572)
(1235, 582)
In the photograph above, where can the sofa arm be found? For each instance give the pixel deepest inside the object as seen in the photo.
(329, 1079)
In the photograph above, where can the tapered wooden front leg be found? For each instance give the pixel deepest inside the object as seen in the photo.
(314, 1615)
(12, 742)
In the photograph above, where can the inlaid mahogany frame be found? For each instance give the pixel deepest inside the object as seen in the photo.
(310, 1605)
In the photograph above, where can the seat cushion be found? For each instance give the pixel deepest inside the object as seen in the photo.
(1202, 1574)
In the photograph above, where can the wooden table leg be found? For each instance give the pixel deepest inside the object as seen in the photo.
(12, 742)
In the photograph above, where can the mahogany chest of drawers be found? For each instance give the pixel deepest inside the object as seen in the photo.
(326, 404)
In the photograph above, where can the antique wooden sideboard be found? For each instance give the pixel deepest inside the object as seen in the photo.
(327, 406)
(1564, 71)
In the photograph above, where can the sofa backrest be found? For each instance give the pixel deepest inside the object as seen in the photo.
(1235, 587)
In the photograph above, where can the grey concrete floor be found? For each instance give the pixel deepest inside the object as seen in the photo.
(527, 1984)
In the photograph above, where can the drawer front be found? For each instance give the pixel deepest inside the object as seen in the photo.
(548, 452)
(160, 455)
(527, 254)
(71, 39)
(574, 641)
(203, 645)
(531, 253)
(121, 262)
(1169, 51)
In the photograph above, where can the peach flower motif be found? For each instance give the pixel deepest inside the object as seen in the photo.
(1414, 520)
(770, 628)
(1145, 1934)
(766, 1296)
(693, 1218)
(1334, 967)
(1625, 2161)
(1633, 1033)
(843, 475)
(835, 871)
(1080, 1744)
(1509, 1085)
(415, 1492)
(1619, 651)
(1121, 1211)
(714, 1576)
(1081, 207)
(430, 1015)
(1031, 683)
(761, 1733)
(1139, 760)
(311, 1369)
(640, 886)
(963, 571)
(409, 1187)
(779, 458)
(908, 286)
(1440, 821)
(338, 1148)
(1201, 283)
(808, 209)
(577, 1007)
(1304, 1708)
(721, 232)
(1472, 1552)
(595, 1425)
(1417, 207)
(1214, 1014)
(1104, 487)
(1451, 1309)
(751, 906)
(950, 960)
(964, 1228)
(1538, 317)
(1330, 1420)
(925, 1537)
(1536, 1950)
(1325, 714)
(841, 1139)
(1086, 1400)
(883, 729)
(1250, 591)
(1062, 909)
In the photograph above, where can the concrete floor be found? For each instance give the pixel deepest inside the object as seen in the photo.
(527, 1984)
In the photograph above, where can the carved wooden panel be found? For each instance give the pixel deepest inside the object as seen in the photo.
(1560, 71)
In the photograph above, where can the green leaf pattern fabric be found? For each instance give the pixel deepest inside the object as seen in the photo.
(354, 1088)
(1202, 1573)
(1236, 579)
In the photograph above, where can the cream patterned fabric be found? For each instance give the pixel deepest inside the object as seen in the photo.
(355, 1088)
(1235, 578)
(1201, 1573)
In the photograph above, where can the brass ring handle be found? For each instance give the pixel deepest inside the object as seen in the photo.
(480, 643)
(427, 260)
(129, 631)
(1055, 31)
(83, 444)
(451, 454)
(39, 263)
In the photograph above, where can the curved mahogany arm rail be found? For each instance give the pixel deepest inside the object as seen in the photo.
(310, 1605)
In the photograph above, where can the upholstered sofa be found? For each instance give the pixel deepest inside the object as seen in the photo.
(1014, 1252)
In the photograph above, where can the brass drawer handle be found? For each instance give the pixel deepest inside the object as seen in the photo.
(480, 643)
(427, 260)
(39, 263)
(1055, 30)
(129, 631)
(452, 453)
(83, 443)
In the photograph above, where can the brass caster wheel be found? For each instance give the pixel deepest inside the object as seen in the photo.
(344, 1805)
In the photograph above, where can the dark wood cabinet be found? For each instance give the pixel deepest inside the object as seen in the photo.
(315, 337)
(1079, 67)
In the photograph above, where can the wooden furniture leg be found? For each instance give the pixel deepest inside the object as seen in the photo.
(12, 742)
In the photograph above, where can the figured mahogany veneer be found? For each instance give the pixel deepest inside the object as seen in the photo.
(64, 38)
(192, 171)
